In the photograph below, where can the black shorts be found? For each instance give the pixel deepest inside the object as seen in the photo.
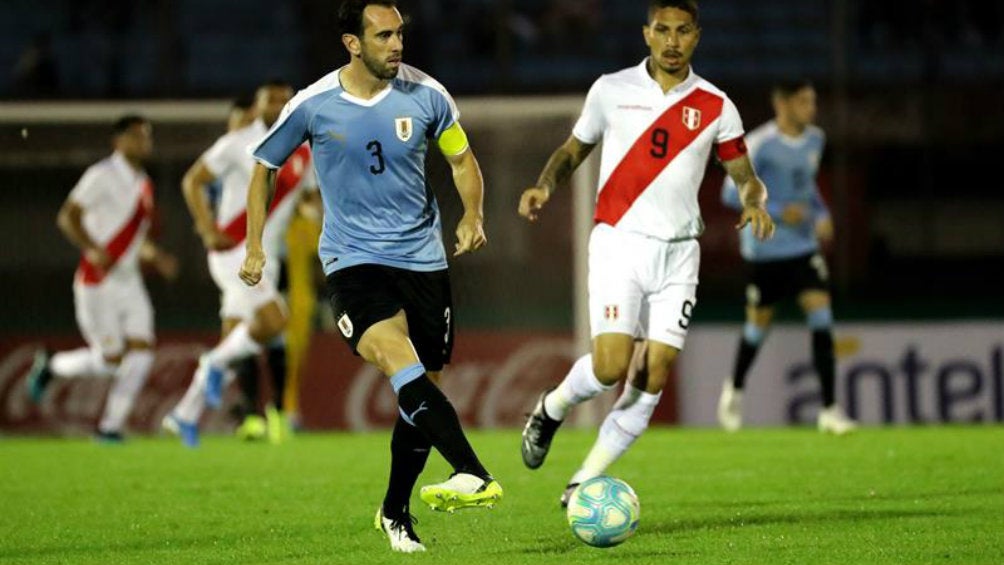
(773, 281)
(363, 295)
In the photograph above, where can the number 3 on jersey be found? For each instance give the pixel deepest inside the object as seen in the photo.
(376, 150)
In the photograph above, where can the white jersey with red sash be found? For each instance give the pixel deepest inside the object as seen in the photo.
(112, 304)
(229, 160)
(655, 149)
(117, 201)
(643, 255)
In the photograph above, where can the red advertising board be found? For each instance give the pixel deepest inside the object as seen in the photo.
(494, 379)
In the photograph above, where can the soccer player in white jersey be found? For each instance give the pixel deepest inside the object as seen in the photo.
(659, 122)
(107, 216)
(252, 316)
(370, 124)
(255, 423)
(785, 152)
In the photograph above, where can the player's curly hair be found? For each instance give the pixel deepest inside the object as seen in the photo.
(350, 14)
(689, 6)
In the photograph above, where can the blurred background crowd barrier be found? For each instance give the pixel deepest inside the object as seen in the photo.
(910, 97)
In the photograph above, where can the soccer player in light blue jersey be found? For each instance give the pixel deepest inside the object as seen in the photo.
(369, 125)
(785, 153)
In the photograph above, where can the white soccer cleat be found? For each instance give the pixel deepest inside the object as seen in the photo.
(400, 533)
(730, 407)
(833, 420)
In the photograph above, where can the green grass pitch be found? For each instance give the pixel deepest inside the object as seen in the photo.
(894, 495)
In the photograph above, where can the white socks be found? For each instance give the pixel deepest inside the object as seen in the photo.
(237, 345)
(627, 420)
(80, 363)
(190, 408)
(129, 380)
(579, 385)
(130, 376)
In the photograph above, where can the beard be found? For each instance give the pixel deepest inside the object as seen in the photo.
(671, 69)
(378, 68)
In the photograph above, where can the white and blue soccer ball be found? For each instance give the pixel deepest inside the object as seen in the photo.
(603, 511)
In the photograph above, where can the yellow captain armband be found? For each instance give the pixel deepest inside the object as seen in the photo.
(453, 141)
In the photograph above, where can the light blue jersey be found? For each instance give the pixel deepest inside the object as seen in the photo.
(788, 167)
(369, 156)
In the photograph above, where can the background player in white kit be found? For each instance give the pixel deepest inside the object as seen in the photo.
(658, 122)
(253, 424)
(107, 215)
(252, 316)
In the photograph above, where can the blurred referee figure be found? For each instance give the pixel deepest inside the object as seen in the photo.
(369, 124)
(785, 153)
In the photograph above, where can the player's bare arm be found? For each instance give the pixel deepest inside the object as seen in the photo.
(753, 195)
(193, 187)
(470, 184)
(259, 195)
(557, 171)
(71, 222)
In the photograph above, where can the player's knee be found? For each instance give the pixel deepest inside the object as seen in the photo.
(375, 354)
(820, 318)
(388, 355)
(139, 345)
(610, 369)
(659, 365)
(268, 324)
(109, 361)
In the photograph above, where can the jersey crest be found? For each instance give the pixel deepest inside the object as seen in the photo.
(404, 128)
(691, 118)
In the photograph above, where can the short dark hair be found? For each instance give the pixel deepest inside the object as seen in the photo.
(126, 122)
(350, 14)
(788, 87)
(243, 102)
(689, 6)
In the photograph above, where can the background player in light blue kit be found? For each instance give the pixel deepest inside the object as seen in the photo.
(785, 153)
(369, 125)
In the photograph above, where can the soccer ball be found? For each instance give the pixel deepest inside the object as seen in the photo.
(603, 511)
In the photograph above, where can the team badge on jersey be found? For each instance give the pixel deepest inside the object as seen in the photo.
(403, 127)
(691, 118)
(611, 312)
(345, 325)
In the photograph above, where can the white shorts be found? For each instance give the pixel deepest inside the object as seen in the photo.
(116, 310)
(641, 286)
(238, 300)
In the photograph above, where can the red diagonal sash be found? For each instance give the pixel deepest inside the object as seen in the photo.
(652, 153)
(286, 180)
(89, 273)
